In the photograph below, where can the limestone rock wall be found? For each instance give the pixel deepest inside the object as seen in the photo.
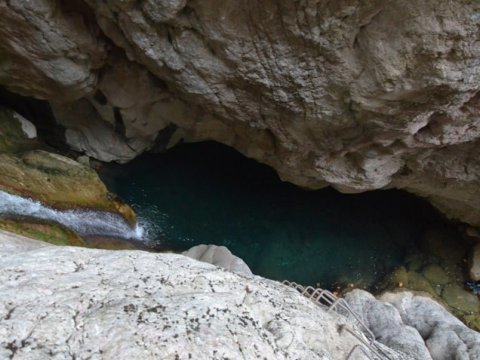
(356, 94)
(47, 50)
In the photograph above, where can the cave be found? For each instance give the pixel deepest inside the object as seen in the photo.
(208, 193)
(240, 179)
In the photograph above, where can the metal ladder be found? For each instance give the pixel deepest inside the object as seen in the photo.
(326, 299)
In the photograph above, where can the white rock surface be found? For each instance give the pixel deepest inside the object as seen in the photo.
(67, 302)
(475, 263)
(219, 256)
(416, 325)
(28, 128)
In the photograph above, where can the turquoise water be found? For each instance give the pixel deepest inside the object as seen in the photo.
(210, 194)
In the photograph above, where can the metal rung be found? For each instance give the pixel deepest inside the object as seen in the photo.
(361, 348)
(326, 298)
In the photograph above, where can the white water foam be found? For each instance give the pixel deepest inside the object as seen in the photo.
(84, 222)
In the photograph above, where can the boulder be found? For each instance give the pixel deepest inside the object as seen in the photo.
(446, 337)
(460, 299)
(67, 302)
(219, 256)
(385, 322)
(417, 324)
(436, 275)
(475, 263)
(16, 132)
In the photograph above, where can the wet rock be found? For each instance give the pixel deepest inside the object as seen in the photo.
(109, 243)
(58, 181)
(441, 279)
(436, 275)
(219, 256)
(415, 261)
(475, 263)
(77, 302)
(49, 232)
(84, 160)
(460, 299)
(472, 232)
(402, 278)
(16, 132)
(29, 130)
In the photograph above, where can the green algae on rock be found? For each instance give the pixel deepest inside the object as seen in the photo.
(460, 299)
(47, 231)
(435, 274)
(55, 180)
(59, 182)
(439, 271)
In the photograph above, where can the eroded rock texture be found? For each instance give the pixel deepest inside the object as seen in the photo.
(47, 50)
(357, 94)
(66, 302)
(416, 324)
(219, 256)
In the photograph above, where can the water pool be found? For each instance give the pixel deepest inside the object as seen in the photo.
(210, 194)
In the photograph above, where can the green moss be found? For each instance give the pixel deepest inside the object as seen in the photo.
(41, 230)
(472, 321)
(59, 182)
(442, 277)
(56, 234)
(99, 242)
(461, 300)
(436, 275)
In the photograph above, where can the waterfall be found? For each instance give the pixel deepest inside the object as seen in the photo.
(83, 222)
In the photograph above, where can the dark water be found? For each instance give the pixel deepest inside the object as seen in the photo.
(210, 194)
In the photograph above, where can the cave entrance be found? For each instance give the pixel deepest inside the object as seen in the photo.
(207, 193)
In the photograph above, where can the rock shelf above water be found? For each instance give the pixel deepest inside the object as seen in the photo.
(73, 302)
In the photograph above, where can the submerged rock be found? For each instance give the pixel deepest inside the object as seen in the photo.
(219, 256)
(445, 287)
(84, 303)
(460, 299)
(436, 275)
